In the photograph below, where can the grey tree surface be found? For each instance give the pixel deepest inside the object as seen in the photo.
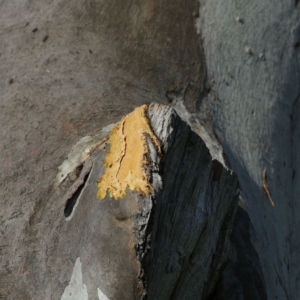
(229, 69)
(252, 56)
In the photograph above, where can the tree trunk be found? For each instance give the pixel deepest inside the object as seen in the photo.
(142, 246)
(230, 70)
(252, 55)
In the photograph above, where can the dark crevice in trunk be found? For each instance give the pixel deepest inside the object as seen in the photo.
(73, 199)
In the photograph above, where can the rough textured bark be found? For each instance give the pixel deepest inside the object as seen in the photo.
(193, 214)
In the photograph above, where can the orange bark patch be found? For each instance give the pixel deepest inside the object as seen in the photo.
(128, 155)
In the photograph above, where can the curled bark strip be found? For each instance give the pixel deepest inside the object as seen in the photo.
(74, 191)
(266, 187)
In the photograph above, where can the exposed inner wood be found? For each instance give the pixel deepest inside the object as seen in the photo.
(126, 161)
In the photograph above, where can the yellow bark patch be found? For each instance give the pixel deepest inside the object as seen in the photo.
(126, 161)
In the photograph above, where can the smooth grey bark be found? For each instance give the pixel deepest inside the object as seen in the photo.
(67, 70)
(252, 57)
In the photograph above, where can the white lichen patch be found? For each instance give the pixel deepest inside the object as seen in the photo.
(76, 290)
(80, 152)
